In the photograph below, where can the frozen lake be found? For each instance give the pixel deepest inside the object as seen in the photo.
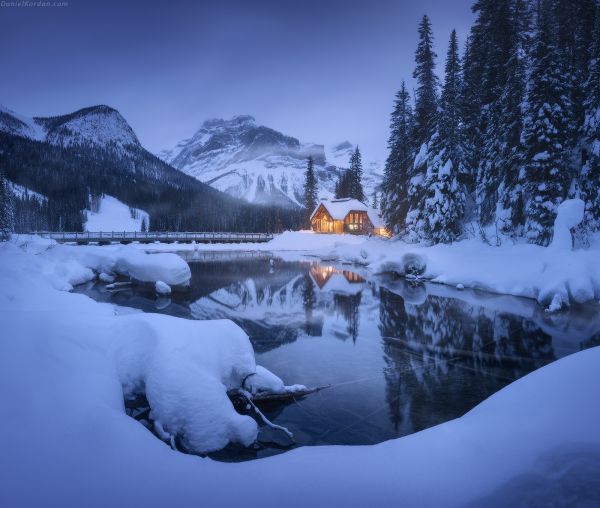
(398, 356)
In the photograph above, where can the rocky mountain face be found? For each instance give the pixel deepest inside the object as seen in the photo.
(96, 126)
(256, 163)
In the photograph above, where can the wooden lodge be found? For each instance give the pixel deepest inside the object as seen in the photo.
(346, 216)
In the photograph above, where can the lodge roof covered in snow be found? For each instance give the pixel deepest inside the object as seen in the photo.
(340, 208)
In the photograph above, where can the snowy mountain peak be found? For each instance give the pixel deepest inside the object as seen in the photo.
(238, 120)
(100, 125)
(97, 125)
(260, 164)
(247, 160)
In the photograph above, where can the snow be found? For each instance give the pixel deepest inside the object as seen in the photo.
(554, 277)
(264, 380)
(66, 360)
(168, 268)
(114, 215)
(162, 288)
(569, 214)
(300, 242)
(69, 265)
(106, 277)
(545, 274)
(185, 368)
(21, 192)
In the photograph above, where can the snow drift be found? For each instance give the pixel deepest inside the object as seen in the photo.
(65, 361)
(183, 367)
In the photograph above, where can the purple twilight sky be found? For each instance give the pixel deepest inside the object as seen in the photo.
(323, 71)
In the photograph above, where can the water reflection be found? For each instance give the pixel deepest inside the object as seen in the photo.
(400, 356)
(443, 353)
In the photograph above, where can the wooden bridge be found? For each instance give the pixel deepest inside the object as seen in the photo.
(103, 237)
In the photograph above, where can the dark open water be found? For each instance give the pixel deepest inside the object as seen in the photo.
(400, 356)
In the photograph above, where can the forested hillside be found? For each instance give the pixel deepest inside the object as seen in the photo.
(513, 130)
(71, 169)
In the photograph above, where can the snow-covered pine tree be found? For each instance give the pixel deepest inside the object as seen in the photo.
(375, 200)
(427, 84)
(493, 40)
(398, 166)
(547, 130)
(470, 106)
(7, 211)
(510, 209)
(424, 126)
(444, 203)
(310, 190)
(590, 173)
(356, 190)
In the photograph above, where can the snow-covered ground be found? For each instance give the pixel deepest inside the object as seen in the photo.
(66, 360)
(114, 215)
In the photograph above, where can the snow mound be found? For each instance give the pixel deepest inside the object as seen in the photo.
(569, 215)
(264, 380)
(186, 368)
(162, 288)
(106, 277)
(168, 268)
(413, 264)
(70, 265)
(114, 215)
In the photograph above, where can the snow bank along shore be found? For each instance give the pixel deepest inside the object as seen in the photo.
(68, 265)
(555, 276)
(65, 362)
(183, 367)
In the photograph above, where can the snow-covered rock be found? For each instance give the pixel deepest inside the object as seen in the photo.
(185, 368)
(106, 277)
(161, 288)
(168, 268)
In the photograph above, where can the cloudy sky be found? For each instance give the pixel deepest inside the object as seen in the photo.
(321, 70)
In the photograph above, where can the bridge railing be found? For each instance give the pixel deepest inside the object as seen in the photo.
(94, 236)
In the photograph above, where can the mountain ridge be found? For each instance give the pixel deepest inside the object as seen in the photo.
(74, 158)
(98, 125)
(260, 164)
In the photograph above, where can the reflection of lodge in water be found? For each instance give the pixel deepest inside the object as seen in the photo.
(329, 278)
(346, 288)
